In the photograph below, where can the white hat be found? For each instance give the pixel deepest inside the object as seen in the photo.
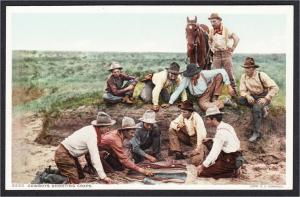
(148, 117)
(213, 111)
(115, 65)
(128, 123)
(103, 119)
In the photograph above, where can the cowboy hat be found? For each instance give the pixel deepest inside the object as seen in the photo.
(115, 65)
(103, 119)
(174, 68)
(191, 70)
(148, 117)
(128, 123)
(250, 63)
(215, 16)
(186, 105)
(213, 111)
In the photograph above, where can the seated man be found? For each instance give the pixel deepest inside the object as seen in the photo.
(146, 136)
(206, 85)
(224, 158)
(188, 128)
(79, 143)
(162, 84)
(257, 90)
(116, 90)
(116, 157)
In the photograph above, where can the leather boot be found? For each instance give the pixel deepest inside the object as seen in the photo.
(127, 100)
(255, 135)
(179, 155)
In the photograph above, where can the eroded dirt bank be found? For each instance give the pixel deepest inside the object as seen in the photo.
(35, 137)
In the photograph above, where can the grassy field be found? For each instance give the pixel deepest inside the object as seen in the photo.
(51, 81)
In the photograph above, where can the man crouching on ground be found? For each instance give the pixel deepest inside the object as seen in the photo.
(79, 143)
(224, 158)
(113, 143)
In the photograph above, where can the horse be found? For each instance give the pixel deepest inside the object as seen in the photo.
(198, 50)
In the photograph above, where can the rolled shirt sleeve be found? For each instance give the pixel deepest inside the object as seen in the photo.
(272, 86)
(95, 158)
(200, 129)
(215, 151)
(182, 86)
(178, 121)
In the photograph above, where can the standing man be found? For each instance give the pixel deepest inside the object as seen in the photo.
(117, 157)
(188, 128)
(206, 85)
(116, 90)
(257, 90)
(224, 158)
(147, 135)
(162, 84)
(79, 143)
(219, 40)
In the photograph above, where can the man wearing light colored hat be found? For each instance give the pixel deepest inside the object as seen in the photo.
(220, 42)
(162, 85)
(206, 85)
(224, 158)
(116, 90)
(146, 136)
(113, 143)
(257, 90)
(82, 142)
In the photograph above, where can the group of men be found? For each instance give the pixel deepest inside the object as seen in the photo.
(107, 150)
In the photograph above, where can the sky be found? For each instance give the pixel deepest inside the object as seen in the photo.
(143, 29)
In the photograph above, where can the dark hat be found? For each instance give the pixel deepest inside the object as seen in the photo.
(191, 70)
(215, 16)
(174, 68)
(186, 105)
(103, 119)
(250, 63)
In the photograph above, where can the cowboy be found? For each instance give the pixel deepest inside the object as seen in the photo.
(188, 128)
(117, 157)
(162, 84)
(257, 90)
(224, 158)
(219, 39)
(79, 143)
(206, 85)
(147, 135)
(116, 90)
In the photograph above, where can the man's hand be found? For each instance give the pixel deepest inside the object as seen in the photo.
(130, 87)
(166, 105)
(151, 158)
(107, 180)
(200, 168)
(231, 91)
(147, 172)
(250, 100)
(262, 101)
(155, 108)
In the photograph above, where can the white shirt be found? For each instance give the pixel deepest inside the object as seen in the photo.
(225, 140)
(194, 125)
(83, 141)
(219, 42)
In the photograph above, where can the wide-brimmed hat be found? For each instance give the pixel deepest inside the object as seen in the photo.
(186, 105)
(214, 16)
(128, 123)
(103, 119)
(250, 63)
(191, 70)
(115, 65)
(213, 111)
(148, 117)
(174, 68)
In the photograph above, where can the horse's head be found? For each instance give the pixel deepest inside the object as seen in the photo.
(191, 29)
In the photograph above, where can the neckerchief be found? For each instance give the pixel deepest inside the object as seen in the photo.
(218, 30)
